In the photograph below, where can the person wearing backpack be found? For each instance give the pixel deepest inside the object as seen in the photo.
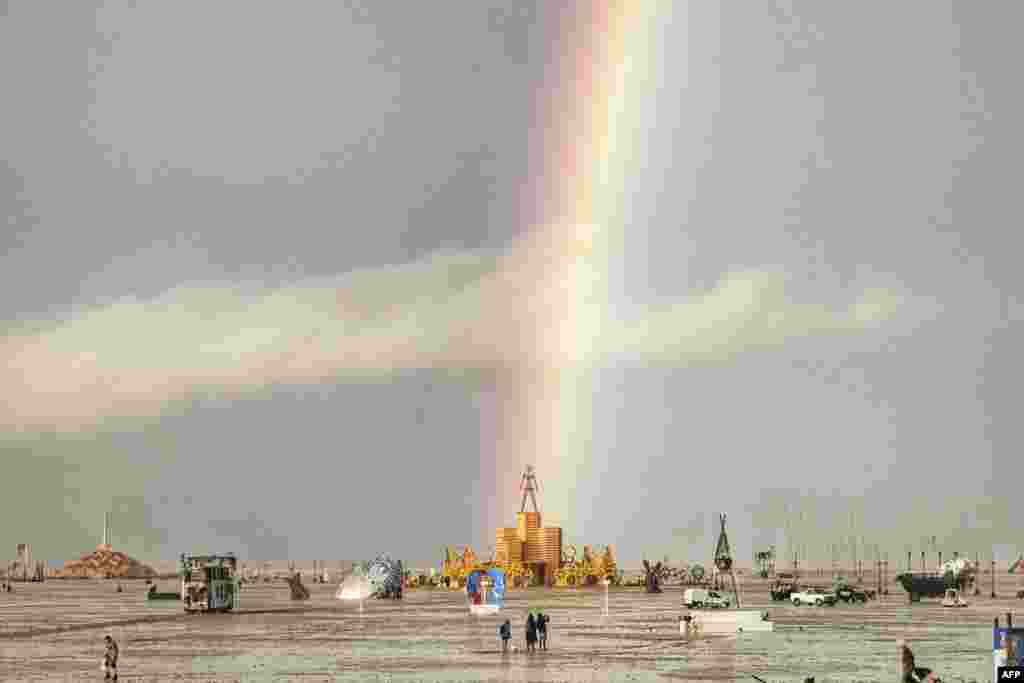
(505, 633)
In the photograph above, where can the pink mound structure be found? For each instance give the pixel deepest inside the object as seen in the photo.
(105, 562)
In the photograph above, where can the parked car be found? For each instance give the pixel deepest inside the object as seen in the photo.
(848, 593)
(700, 597)
(783, 589)
(813, 596)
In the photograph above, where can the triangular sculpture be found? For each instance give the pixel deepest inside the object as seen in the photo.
(723, 558)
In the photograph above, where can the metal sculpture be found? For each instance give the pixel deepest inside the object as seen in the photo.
(298, 591)
(385, 576)
(723, 558)
(652, 576)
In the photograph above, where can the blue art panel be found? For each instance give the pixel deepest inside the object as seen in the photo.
(496, 594)
(1008, 643)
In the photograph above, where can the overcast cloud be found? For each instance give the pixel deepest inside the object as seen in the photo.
(253, 251)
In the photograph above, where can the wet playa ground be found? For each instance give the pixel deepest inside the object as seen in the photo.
(54, 631)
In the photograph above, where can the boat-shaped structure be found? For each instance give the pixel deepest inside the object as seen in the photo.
(957, 574)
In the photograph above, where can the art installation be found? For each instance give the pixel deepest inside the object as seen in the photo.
(385, 575)
(653, 576)
(486, 591)
(296, 587)
(355, 587)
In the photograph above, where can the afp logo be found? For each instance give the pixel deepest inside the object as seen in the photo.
(1010, 673)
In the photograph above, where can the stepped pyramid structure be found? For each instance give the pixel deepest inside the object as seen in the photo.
(105, 562)
(529, 543)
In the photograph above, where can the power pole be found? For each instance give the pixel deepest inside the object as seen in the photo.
(993, 574)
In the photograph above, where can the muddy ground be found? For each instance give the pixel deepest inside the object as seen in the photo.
(54, 631)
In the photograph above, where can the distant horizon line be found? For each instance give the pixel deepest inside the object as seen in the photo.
(867, 565)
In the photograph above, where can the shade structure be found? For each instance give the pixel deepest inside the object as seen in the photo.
(525, 521)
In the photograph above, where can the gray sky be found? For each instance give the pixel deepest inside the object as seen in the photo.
(186, 190)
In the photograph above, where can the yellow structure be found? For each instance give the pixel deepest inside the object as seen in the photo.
(538, 548)
(457, 567)
(530, 550)
(588, 570)
(507, 546)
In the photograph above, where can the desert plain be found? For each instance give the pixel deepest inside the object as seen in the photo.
(53, 631)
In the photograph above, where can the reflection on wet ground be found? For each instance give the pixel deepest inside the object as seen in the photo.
(54, 631)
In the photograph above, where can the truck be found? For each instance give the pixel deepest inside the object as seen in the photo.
(209, 583)
(848, 593)
(813, 596)
(783, 587)
(700, 597)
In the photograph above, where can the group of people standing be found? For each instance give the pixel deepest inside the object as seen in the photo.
(536, 632)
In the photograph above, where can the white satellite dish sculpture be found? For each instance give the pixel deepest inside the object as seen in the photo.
(355, 587)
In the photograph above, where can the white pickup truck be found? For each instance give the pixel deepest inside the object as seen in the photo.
(812, 596)
(698, 597)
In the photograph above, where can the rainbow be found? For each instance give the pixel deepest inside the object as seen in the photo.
(582, 145)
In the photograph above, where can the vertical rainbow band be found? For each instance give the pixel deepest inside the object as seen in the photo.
(541, 415)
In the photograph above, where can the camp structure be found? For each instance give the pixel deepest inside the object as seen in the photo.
(209, 583)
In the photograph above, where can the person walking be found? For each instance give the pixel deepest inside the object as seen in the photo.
(505, 633)
(110, 660)
(909, 671)
(542, 630)
(531, 633)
